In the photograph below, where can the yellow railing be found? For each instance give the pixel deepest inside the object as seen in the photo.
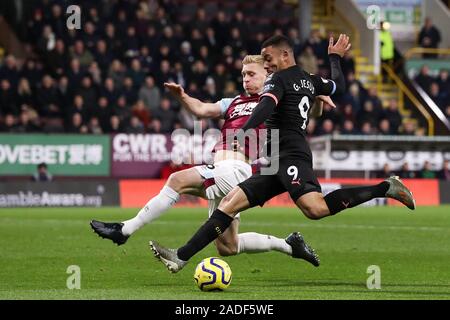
(415, 51)
(405, 91)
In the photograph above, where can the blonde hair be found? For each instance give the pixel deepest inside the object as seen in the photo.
(256, 58)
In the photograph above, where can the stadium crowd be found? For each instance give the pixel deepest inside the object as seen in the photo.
(437, 87)
(108, 77)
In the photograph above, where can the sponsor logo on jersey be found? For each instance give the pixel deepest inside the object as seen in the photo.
(244, 109)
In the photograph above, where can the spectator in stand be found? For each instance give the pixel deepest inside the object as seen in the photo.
(115, 125)
(429, 37)
(65, 93)
(150, 94)
(181, 76)
(57, 58)
(319, 46)
(94, 126)
(7, 98)
(78, 51)
(409, 128)
(387, 44)
(444, 82)
(129, 91)
(122, 110)
(79, 107)
(367, 128)
(406, 173)
(447, 112)
(75, 124)
(110, 91)
(103, 112)
(444, 173)
(439, 97)
(426, 172)
(25, 124)
(348, 128)
(9, 123)
(136, 74)
(384, 127)
(139, 110)
(155, 126)
(117, 73)
(166, 115)
(103, 56)
(47, 41)
(386, 172)
(393, 116)
(31, 71)
(42, 174)
(135, 126)
(424, 79)
(48, 99)
(88, 91)
(372, 95)
(354, 97)
(75, 73)
(308, 61)
(327, 127)
(368, 114)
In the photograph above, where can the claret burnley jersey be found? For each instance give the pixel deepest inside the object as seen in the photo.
(236, 112)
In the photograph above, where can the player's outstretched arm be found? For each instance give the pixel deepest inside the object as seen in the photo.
(193, 105)
(336, 51)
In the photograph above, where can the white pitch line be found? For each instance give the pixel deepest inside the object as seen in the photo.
(324, 226)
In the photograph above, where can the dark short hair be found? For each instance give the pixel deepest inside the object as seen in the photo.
(278, 41)
(42, 165)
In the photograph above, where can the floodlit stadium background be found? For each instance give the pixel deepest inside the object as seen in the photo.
(81, 90)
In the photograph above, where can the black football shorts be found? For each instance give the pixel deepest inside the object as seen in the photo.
(295, 175)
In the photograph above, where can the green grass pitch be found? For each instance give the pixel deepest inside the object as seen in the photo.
(412, 250)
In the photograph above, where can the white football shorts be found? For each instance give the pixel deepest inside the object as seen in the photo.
(221, 178)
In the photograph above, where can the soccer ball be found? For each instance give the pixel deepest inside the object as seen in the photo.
(212, 274)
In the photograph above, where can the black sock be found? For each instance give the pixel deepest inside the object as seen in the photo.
(347, 198)
(216, 225)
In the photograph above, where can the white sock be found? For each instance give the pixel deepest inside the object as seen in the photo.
(252, 242)
(159, 204)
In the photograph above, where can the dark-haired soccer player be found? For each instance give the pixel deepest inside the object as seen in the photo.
(213, 182)
(284, 105)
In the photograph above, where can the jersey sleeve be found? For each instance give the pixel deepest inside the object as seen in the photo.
(273, 88)
(324, 87)
(225, 104)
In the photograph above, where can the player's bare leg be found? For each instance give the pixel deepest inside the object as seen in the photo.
(315, 206)
(187, 181)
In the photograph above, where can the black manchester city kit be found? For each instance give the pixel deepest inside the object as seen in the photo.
(294, 91)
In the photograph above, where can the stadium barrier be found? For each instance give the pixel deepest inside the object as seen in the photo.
(136, 193)
(427, 192)
(65, 154)
(59, 194)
